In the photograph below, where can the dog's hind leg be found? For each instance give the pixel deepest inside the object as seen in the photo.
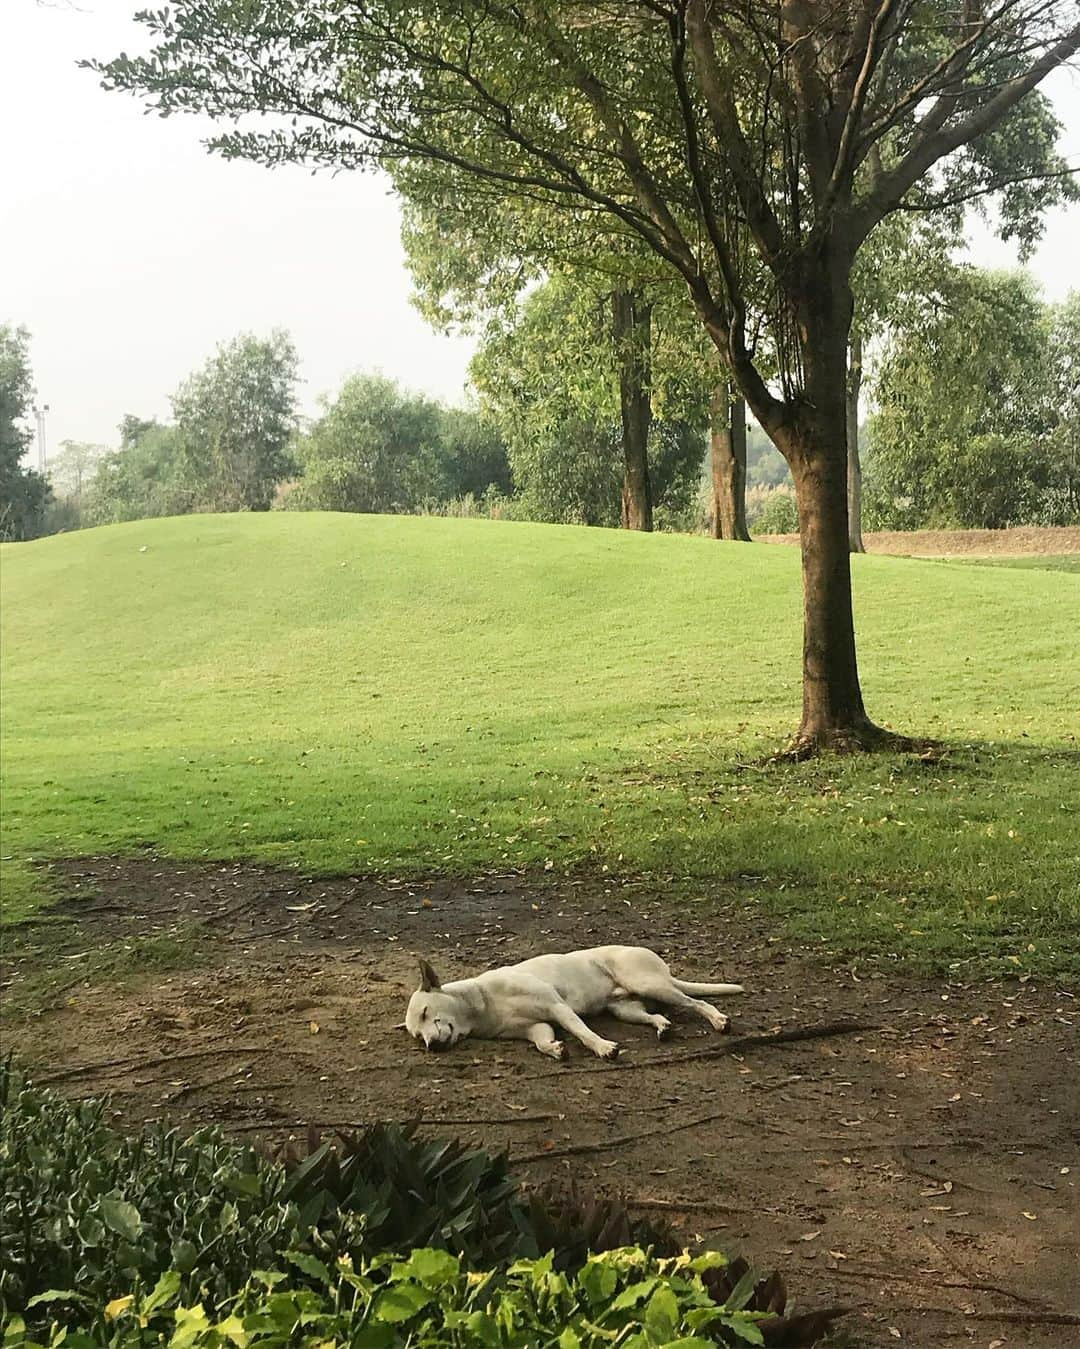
(565, 1016)
(706, 990)
(665, 991)
(629, 1009)
(543, 1037)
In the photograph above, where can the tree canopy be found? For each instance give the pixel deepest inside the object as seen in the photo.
(235, 420)
(548, 371)
(24, 493)
(380, 448)
(976, 419)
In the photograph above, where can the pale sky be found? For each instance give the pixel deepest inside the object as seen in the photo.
(129, 252)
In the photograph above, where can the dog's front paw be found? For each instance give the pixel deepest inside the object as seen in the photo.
(607, 1049)
(720, 1022)
(663, 1028)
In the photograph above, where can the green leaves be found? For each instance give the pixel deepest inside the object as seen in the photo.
(972, 395)
(23, 491)
(120, 1217)
(662, 1316)
(198, 1244)
(400, 1302)
(83, 1206)
(432, 1269)
(599, 1281)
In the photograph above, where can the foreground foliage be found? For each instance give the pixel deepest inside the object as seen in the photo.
(115, 1241)
(428, 1299)
(85, 1207)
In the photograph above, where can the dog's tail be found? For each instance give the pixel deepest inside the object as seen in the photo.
(706, 990)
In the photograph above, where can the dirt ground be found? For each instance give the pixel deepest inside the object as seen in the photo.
(923, 1170)
(1023, 541)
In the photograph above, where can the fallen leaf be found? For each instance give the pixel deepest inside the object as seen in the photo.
(313, 1027)
(809, 1236)
(895, 1333)
(1031, 1217)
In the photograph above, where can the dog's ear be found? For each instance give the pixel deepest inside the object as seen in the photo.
(429, 980)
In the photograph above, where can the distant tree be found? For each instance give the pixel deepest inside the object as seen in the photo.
(777, 512)
(376, 448)
(765, 465)
(550, 372)
(236, 419)
(143, 479)
(961, 435)
(677, 450)
(72, 469)
(472, 259)
(1061, 502)
(24, 493)
(472, 454)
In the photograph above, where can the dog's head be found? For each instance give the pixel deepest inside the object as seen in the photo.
(433, 1016)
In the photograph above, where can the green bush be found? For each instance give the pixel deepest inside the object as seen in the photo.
(778, 514)
(431, 1300)
(409, 1192)
(85, 1207)
(103, 1238)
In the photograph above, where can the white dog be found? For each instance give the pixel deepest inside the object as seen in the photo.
(527, 1001)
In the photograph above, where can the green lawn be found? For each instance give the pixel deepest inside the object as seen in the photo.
(352, 693)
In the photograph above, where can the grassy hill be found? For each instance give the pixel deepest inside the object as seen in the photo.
(352, 693)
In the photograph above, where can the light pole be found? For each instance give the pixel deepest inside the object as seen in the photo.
(42, 449)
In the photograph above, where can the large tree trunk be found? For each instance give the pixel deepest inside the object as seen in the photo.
(727, 418)
(810, 431)
(633, 341)
(854, 468)
(833, 715)
(813, 439)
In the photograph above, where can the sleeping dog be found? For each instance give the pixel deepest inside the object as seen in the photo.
(528, 1001)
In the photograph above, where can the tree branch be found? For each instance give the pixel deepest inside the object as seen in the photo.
(627, 149)
(731, 142)
(845, 151)
(928, 148)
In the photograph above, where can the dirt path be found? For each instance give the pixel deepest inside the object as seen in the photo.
(1024, 541)
(924, 1172)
